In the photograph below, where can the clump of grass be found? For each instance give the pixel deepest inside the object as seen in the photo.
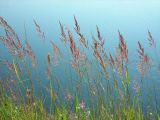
(99, 83)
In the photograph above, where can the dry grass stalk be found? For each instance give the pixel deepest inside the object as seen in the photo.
(144, 60)
(39, 31)
(56, 53)
(151, 40)
(121, 58)
(30, 53)
(98, 53)
(81, 37)
(63, 35)
(11, 41)
(74, 50)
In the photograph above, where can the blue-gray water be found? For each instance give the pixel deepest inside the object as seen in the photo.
(132, 18)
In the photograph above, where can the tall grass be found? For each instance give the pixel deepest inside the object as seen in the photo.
(92, 85)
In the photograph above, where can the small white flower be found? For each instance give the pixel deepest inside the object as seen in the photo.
(150, 113)
(82, 105)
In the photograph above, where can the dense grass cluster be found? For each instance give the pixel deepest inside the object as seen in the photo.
(98, 83)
